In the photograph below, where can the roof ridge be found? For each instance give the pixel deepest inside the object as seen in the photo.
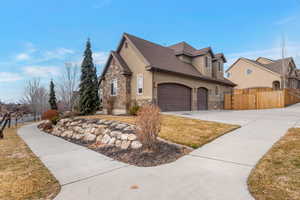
(130, 35)
(264, 58)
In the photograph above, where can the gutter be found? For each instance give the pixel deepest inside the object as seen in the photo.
(151, 68)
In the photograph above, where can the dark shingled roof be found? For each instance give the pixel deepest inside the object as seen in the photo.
(120, 61)
(220, 55)
(183, 47)
(164, 59)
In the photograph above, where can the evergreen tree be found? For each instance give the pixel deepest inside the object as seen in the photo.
(52, 97)
(88, 88)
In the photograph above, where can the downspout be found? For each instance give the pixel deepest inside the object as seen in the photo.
(153, 87)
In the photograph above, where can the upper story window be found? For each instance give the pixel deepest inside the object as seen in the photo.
(126, 45)
(220, 66)
(248, 71)
(228, 75)
(114, 87)
(207, 61)
(290, 69)
(140, 84)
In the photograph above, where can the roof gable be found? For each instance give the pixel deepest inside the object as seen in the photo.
(263, 60)
(161, 58)
(114, 55)
(183, 47)
(272, 68)
(220, 56)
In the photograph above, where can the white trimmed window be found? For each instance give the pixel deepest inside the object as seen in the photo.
(208, 61)
(114, 87)
(220, 66)
(140, 84)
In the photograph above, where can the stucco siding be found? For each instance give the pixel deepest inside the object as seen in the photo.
(185, 59)
(138, 67)
(257, 78)
(199, 63)
(219, 74)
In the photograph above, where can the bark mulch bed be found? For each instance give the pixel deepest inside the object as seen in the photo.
(164, 153)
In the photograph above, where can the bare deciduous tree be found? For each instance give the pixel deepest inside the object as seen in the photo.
(36, 97)
(68, 84)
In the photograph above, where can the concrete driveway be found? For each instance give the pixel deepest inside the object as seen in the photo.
(218, 170)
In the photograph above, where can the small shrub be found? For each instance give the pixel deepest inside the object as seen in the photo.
(148, 124)
(51, 115)
(54, 120)
(133, 110)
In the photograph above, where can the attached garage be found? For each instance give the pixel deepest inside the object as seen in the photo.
(202, 98)
(174, 97)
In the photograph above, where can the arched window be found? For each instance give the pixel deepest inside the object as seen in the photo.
(276, 85)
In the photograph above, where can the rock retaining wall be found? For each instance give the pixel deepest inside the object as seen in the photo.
(98, 131)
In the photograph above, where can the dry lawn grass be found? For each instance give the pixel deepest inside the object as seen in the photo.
(277, 175)
(22, 174)
(181, 130)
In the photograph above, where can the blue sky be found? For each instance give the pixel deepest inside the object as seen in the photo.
(38, 37)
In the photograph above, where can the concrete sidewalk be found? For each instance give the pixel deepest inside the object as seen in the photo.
(218, 170)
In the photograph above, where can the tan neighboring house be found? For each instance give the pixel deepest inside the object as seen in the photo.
(177, 77)
(264, 72)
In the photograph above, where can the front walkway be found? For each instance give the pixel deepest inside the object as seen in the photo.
(218, 170)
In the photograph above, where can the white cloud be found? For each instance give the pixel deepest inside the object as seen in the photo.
(100, 57)
(41, 71)
(9, 77)
(26, 55)
(59, 53)
(36, 56)
(23, 57)
(286, 20)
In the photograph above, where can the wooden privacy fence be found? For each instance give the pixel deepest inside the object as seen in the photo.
(260, 98)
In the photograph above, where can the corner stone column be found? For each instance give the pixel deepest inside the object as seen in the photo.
(194, 99)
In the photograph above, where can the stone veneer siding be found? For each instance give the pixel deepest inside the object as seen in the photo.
(122, 98)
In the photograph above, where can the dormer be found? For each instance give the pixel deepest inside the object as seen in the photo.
(218, 66)
(203, 61)
(263, 60)
(184, 58)
(183, 51)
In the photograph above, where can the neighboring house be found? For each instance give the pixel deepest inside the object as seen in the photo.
(264, 72)
(177, 77)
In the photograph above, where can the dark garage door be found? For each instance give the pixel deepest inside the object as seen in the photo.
(174, 97)
(202, 97)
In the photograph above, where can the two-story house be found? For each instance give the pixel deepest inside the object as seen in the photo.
(177, 77)
(264, 72)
